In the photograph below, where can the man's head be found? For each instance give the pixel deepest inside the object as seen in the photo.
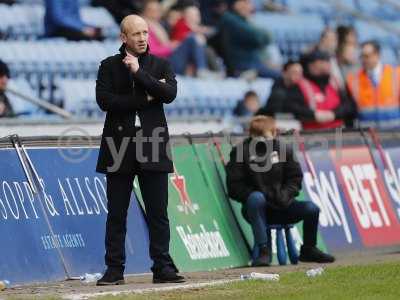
(292, 72)
(346, 35)
(4, 76)
(251, 101)
(243, 8)
(318, 64)
(152, 10)
(134, 34)
(328, 41)
(262, 126)
(192, 15)
(370, 55)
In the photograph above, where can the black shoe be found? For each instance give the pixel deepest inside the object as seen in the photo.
(169, 277)
(313, 254)
(264, 258)
(111, 277)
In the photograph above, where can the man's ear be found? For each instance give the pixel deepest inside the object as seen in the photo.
(123, 37)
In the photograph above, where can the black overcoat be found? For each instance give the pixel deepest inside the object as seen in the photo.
(122, 94)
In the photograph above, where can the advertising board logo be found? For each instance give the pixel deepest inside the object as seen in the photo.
(368, 200)
(186, 205)
(323, 190)
(201, 240)
(392, 179)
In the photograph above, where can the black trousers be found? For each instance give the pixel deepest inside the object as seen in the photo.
(154, 189)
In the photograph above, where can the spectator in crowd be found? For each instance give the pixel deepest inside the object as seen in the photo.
(282, 89)
(182, 54)
(212, 10)
(347, 62)
(62, 19)
(328, 42)
(6, 110)
(119, 9)
(375, 88)
(248, 106)
(345, 59)
(241, 43)
(264, 175)
(3, 35)
(318, 102)
(346, 35)
(173, 11)
(190, 24)
(172, 15)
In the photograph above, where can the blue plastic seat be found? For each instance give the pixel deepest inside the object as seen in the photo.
(292, 27)
(280, 244)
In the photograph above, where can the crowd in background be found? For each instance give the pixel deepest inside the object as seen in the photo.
(333, 83)
(200, 38)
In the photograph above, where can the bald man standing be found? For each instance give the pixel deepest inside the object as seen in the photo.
(132, 88)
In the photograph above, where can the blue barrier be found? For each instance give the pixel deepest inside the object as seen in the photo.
(71, 242)
(22, 226)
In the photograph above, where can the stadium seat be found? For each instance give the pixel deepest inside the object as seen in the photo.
(389, 56)
(79, 97)
(299, 26)
(25, 21)
(323, 8)
(22, 107)
(368, 31)
(196, 97)
(291, 32)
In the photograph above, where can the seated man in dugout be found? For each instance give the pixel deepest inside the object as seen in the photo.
(265, 176)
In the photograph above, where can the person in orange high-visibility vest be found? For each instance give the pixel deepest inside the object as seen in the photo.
(375, 88)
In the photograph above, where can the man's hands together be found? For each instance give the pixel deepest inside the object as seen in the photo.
(324, 116)
(131, 62)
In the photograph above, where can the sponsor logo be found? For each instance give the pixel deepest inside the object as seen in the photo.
(392, 179)
(204, 244)
(323, 189)
(361, 183)
(186, 205)
(367, 197)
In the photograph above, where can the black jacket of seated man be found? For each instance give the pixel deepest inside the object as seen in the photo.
(280, 181)
(123, 95)
(265, 177)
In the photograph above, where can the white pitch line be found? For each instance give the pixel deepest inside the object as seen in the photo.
(148, 290)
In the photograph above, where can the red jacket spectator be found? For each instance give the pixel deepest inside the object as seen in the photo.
(317, 101)
(181, 30)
